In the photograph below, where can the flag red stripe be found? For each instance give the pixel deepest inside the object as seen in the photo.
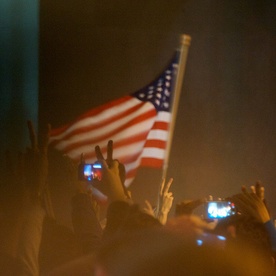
(98, 125)
(91, 113)
(160, 125)
(124, 142)
(151, 162)
(155, 144)
(149, 114)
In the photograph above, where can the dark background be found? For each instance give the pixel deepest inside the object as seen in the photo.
(91, 52)
(19, 33)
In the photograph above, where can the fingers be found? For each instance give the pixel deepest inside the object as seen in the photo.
(259, 190)
(114, 165)
(247, 204)
(246, 199)
(148, 205)
(122, 172)
(111, 164)
(99, 154)
(262, 193)
(148, 209)
(258, 185)
(164, 194)
(253, 190)
(162, 186)
(244, 189)
(45, 137)
(167, 187)
(109, 157)
(169, 194)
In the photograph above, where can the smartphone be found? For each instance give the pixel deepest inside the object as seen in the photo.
(90, 172)
(219, 209)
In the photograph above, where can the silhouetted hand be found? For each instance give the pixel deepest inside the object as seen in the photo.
(36, 162)
(73, 170)
(23, 214)
(113, 176)
(165, 200)
(258, 189)
(26, 177)
(252, 205)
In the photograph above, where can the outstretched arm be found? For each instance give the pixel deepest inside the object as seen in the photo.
(253, 204)
(24, 212)
(85, 217)
(37, 168)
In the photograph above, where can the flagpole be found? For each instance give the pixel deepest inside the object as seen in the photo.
(185, 41)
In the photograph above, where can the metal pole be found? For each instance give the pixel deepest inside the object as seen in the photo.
(185, 41)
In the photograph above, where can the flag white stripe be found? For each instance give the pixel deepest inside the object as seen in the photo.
(133, 165)
(157, 134)
(106, 130)
(104, 115)
(126, 133)
(163, 116)
(134, 149)
(153, 153)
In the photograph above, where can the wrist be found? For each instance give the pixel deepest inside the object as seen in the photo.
(116, 194)
(265, 220)
(164, 211)
(264, 217)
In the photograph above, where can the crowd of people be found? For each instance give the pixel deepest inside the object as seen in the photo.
(131, 240)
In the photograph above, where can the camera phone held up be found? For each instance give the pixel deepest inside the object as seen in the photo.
(90, 172)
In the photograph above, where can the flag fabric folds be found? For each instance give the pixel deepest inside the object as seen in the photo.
(137, 123)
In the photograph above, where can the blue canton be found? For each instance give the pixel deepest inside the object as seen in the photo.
(159, 91)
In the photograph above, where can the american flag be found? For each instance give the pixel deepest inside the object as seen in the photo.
(137, 123)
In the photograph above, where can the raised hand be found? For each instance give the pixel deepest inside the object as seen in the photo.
(27, 177)
(165, 197)
(251, 204)
(113, 175)
(36, 161)
(23, 211)
(258, 189)
(36, 168)
(165, 200)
